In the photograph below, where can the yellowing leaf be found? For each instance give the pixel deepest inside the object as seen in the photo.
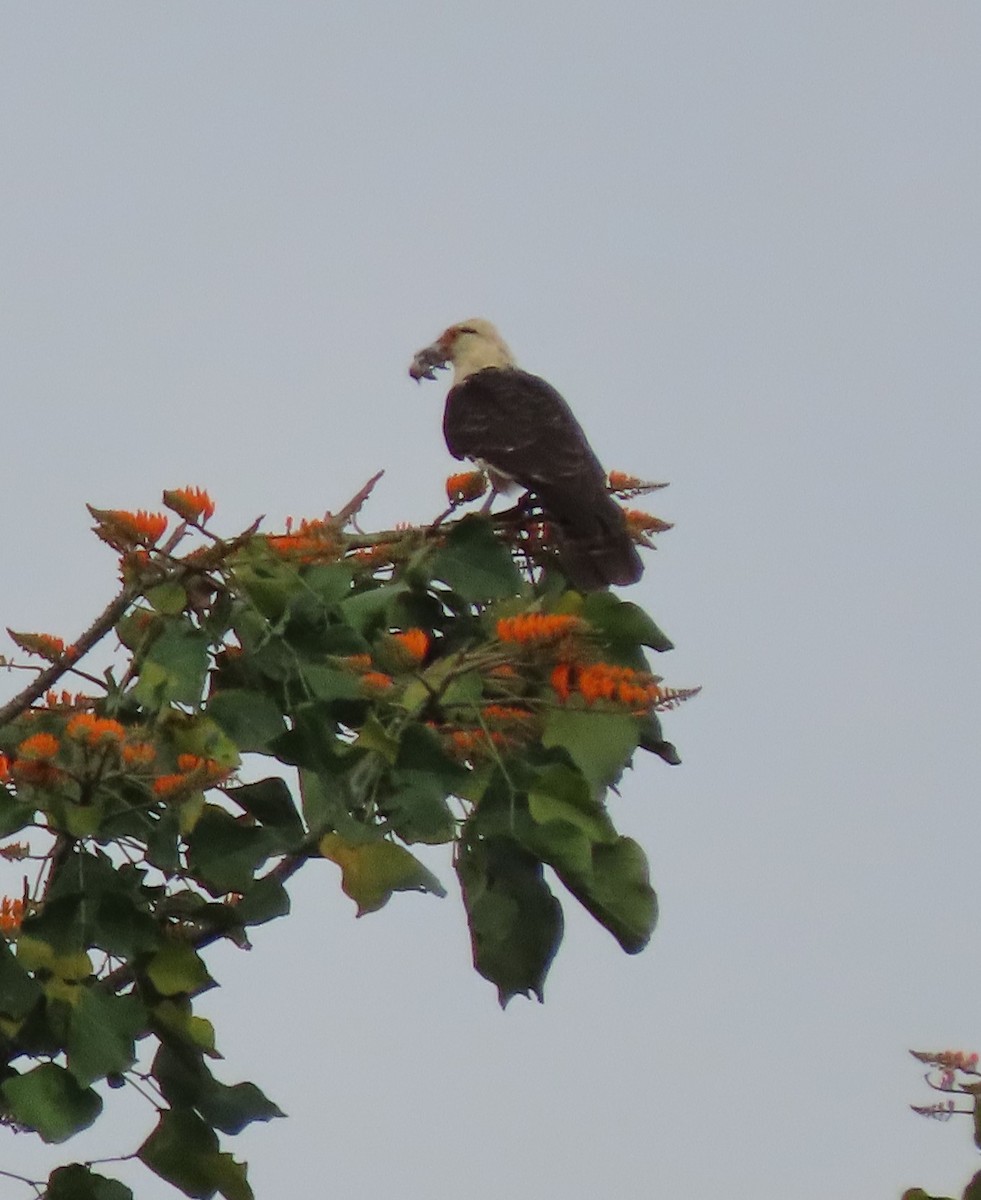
(372, 871)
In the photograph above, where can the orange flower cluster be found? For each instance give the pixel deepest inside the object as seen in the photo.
(44, 645)
(642, 522)
(195, 773)
(139, 754)
(508, 715)
(475, 743)
(467, 485)
(536, 628)
(313, 541)
(190, 504)
(626, 486)
(955, 1060)
(39, 747)
(4, 768)
(414, 643)
(604, 681)
(125, 530)
(11, 914)
(91, 730)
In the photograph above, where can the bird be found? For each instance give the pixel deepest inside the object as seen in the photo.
(519, 429)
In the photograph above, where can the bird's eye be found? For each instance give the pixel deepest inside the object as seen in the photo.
(466, 329)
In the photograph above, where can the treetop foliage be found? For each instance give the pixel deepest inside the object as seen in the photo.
(421, 686)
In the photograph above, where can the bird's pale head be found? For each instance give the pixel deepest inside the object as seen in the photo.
(468, 346)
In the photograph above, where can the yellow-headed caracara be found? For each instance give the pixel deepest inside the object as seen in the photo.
(519, 427)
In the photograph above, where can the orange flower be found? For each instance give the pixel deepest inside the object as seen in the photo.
(415, 643)
(139, 754)
(636, 690)
(375, 681)
(11, 914)
(39, 747)
(373, 556)
(95, 731)
(169, 785)
(313, 541)
(44, 645)
(626, 486)
(65, 699)
(4, 768)
(504, 714)
(474, 743)
(642, 522)
(124, 530)
(467, 485)
(190, 504)
(538, 627)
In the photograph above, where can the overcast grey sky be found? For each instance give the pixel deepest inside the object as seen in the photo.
(742, 238)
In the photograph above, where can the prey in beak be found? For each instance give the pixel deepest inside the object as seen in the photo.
(428, 361)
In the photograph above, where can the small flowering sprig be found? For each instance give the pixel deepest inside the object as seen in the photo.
(192, 504)
(627, 487)
(45, 645)
(11, 915)
(127, 530)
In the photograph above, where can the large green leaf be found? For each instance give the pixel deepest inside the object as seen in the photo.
(251, 719)
(415, 804)
(102, 1031)
(174, 668)
(183, 1150)
(515, 921)
(372, 871)
(599, 743)
(177, 969)
(617, 891)
(270, 801)
(224, 852)
(476, 564)
(49, 1100)
(623, 622)
(78, 1182)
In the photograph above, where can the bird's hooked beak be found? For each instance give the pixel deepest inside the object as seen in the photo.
(428, 361)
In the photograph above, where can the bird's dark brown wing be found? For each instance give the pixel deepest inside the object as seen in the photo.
(520, 426)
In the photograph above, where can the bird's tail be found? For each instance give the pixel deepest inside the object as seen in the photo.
(595, 549)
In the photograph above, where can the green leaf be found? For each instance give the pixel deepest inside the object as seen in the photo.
(652, 740)
(367, 610)
(599, 743)
(515, 921)
(415, 804)
(476, 564)
(183, 1150)
(271, 803)
(18, 991)
(168, 598)
(617, 892)
(77, 1182)
(251, 719)
(224, 853)
(49, 1100)
(14, 814)
(265, 900)
(562, 795)
(102, 1032)
(174, 668)
(176, 969)
(372, 871)
(623, 623)
(231, 1107)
